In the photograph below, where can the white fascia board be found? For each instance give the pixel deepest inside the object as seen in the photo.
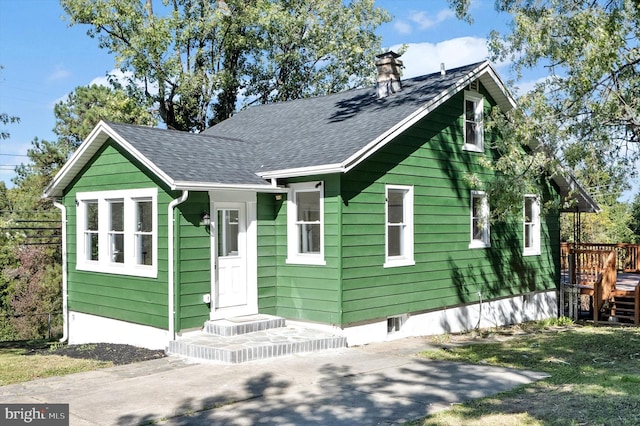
(87, 148)
(508, 102)
(412, 119)
(302, 171)
(211, 186)
(98, 136)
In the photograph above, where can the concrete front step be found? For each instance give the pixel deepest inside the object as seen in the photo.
(257, 345)
(243, 325)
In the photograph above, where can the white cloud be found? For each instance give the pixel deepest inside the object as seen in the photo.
(101, 81)
(59, 73)
(402, 27)
(117, 74)
(527, 86)
(425, 21)
(425, 58)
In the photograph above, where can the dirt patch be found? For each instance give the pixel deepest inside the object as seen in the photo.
(117, 353)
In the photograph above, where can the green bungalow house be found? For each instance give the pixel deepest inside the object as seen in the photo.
(347, 212)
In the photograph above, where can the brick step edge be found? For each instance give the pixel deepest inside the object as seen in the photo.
(228, 328)
(263, 351)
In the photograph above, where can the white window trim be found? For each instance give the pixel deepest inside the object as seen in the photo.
(293, 256)
(535, 222)
(479, 100)
(104, 264)
(407, 259)
(485, 242)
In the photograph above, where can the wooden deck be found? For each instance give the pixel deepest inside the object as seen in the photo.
(602, 279)
(627, 281)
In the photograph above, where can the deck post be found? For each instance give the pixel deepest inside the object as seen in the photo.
(636, 320)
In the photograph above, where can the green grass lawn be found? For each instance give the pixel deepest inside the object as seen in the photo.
(594, 376)
(24, 361)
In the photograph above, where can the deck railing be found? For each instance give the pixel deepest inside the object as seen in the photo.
(628, 255)
(591, 270)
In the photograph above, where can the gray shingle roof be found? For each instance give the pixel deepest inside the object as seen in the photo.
(189, 157)
(296, 134)
(305, 133)
(329, 129)
(321, 133)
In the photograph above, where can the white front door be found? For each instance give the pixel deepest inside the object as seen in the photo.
(231, 251)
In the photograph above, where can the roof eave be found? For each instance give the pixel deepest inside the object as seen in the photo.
(100, 134)
(570, 187)
(212, 186)
(322, 169)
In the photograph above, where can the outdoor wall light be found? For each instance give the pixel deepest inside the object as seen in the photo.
(205, 219)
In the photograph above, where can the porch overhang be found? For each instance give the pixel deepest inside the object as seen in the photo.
(575, 198)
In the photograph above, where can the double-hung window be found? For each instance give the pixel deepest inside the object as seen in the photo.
(144, 235)
(480, 235)
(531, 231)
(399, 226)
(305, 224)
(90, 230)
(117, 232)
(473, 122)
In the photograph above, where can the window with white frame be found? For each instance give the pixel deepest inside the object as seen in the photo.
(89, 234)
(531, 219)
(399, 226)
(305, 224)
(117, 232)
(144, 235)
(480, 235)
(473, 122)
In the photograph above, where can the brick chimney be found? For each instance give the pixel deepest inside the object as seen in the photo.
(389, 70)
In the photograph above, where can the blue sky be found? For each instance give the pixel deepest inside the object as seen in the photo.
(44, 59)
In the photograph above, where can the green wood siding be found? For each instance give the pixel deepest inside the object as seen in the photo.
(430, 157)
(128, 298)
(354, 286)
(302, 292)
(193, 262)
(271, 246)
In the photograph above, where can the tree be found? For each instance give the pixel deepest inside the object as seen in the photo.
(30, 282)
(198, 58)
(34, 291)
(588, 104)
(635, 217)
(612, 225)
(585, 115)
(6, 119)
(87, 105)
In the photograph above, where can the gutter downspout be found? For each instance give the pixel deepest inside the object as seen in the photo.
(171, 266)
(65, 310)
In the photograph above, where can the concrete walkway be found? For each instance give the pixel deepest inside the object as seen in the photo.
(383, 383)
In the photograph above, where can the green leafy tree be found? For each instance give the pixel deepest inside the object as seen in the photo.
(635, 217)
(6, 119)
(612, 225)
(585, 115)
(198, 59)
(87, 105)
(34, 291)
(30, 282)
